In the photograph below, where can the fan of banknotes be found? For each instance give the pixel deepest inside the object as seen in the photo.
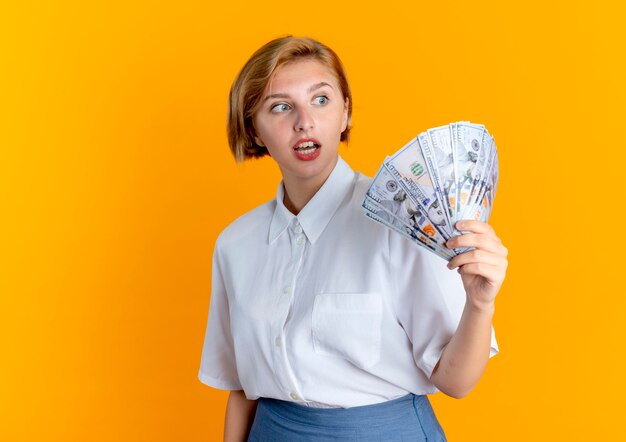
(444, 175)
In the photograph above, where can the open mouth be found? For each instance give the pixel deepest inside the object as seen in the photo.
(307, 147)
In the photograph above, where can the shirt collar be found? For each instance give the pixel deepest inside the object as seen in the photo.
(314, 217)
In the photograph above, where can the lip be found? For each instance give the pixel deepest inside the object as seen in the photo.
(307, 157)
(304, 140)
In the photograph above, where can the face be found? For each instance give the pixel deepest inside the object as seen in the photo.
(300, 121)
(435, 214)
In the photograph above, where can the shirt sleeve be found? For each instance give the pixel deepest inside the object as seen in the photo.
(429, 300)
(217, 367)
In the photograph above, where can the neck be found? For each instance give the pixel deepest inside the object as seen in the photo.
(299, 192)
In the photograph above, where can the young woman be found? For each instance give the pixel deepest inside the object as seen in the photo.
(323, 324)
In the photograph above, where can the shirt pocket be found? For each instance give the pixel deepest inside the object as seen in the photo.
(348, 325)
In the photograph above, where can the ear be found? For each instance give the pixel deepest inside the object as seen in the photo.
(258, 141)
(344, 118)
(255, 137)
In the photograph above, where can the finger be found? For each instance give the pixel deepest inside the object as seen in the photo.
(475, 256)
(472, 225)
(493, 274)
(478, 240)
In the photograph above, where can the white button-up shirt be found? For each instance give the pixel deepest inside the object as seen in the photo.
(327, 308)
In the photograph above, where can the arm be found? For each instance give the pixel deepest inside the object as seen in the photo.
(464, 359)
(240, 414)
(482, 270)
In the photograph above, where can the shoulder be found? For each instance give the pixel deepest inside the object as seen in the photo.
(253, 224)
(361, 184)
(353, 222)
(352, 206)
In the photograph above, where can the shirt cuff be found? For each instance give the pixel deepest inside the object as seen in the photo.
(430, 360)
(220, 384)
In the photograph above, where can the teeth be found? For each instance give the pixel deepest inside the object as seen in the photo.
(308, 151)
(306, 144)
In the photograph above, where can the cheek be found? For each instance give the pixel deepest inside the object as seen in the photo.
(266, 132)
(274, 137)
(337, 123)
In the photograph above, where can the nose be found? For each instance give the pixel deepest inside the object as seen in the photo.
(304, 120)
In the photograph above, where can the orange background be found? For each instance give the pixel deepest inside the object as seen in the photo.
(116, 179)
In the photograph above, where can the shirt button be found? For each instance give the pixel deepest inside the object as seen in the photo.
(287, 290)
(300, 240)
(278, 341)
(296, 226)
(294, 396)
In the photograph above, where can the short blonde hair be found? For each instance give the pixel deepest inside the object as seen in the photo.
(247, 89)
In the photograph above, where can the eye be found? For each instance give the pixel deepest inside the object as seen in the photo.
(282, 107)
(322, 99)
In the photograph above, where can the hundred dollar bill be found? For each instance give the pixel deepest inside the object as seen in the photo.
(482, 208)
(442, 147)
(385, 193)
(479, 175)
(390, 195)
(425, 143)
(389, 219)
(422, 224)
(478, 192)
(495, 175)
(467, 143)
(379, 214)
(403, 226)
(491, 190)
(408, 167)
(483, 160)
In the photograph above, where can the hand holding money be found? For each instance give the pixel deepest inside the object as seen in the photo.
(444, 175)
(483, 268)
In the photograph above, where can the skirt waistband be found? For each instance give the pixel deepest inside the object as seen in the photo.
(382, 413)
(405, 418)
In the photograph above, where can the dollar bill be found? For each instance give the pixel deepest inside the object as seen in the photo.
(467, 143)
(479, 175)
(481, 209)
(379, 214)
(408, 167)
(490, 192)
(386, 193)
(440, 167)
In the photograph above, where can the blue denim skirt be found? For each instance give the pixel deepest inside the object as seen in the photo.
(408, 418)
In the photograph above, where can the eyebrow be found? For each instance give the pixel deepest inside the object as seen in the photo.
(311, 89)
